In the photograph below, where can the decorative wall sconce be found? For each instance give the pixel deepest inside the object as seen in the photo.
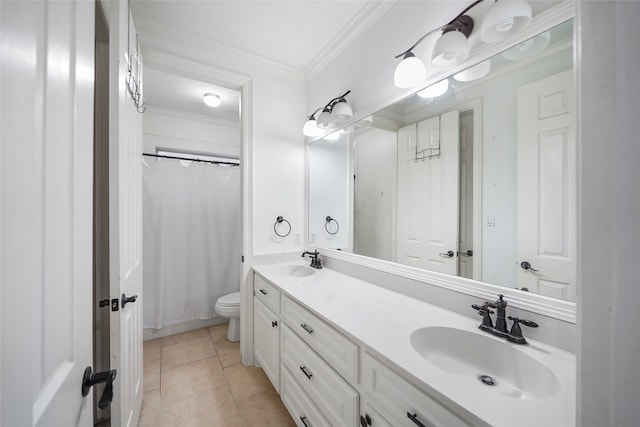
(502, 20)
(336, 111)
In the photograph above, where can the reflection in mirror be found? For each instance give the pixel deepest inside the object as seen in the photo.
(473, 176)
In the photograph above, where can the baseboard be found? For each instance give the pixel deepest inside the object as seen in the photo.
(192, 325)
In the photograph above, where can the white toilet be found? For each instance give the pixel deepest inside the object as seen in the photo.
(229, 306)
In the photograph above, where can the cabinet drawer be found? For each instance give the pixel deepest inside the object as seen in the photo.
(332, 394)
(338, 351)
(396, 398)
(267, 293)
(303, 411)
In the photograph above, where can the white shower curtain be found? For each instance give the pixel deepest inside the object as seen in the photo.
(192, 245)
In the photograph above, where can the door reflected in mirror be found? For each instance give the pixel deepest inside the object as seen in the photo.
(475, 179)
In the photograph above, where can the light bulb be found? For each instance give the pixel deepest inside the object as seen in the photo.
(212, 100)
(435, 90)
(476, 72)
(311, 128)
(450, 49)
(409, 72)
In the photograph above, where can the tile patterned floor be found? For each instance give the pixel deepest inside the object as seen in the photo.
(196, 379)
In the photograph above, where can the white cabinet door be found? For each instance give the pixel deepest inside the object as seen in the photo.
(427, 214)
(46, 179)
(547, 187)
(266, 344)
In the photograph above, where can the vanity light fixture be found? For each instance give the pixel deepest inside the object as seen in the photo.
(503, 19)
(335, 112)
(212, 100)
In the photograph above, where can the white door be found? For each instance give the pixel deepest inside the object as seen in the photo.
(547, 187)
(427, 214)
(125, 203)
(46, 211)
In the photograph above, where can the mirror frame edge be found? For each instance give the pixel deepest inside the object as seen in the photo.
(551, 307)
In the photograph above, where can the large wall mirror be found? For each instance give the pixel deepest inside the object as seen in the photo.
(474, 176)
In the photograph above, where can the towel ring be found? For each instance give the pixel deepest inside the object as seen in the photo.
(328, 221)
(280, 220)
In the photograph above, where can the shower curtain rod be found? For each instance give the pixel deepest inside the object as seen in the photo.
(215, 162)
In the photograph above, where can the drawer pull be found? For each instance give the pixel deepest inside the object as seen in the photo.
(274, 323)
(306, 328)
(263, 292)
(414, 418)
(304, 371)
(304, 421)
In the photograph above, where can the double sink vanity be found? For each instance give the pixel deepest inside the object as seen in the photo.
(345, 352)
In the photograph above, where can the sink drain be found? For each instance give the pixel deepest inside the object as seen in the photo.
(487, 380)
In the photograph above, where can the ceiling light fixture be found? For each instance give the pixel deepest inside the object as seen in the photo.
(212, 100)
(335, 112)
(453, 45)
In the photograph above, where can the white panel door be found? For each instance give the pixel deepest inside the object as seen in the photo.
(125, 201)
(427, 214)
(46, 211)
(547, 187)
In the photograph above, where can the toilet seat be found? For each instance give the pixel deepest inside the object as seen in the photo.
(229, 300)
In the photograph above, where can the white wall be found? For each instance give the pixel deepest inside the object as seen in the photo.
(170, 129)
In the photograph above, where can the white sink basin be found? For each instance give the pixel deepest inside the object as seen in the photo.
(293, 270)
(468, 356)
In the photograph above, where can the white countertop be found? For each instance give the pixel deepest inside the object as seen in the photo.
(383, 321)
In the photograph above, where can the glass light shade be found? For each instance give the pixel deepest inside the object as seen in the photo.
(212, 100)
(504, 19)
(435, 90)
(476, 72)
(333, 136)
(528, 48)
(311, 128)
(450, 49)
(409, 72)
(341, 111)
(325, 121)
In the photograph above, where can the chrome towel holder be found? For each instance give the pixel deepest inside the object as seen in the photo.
(328, 221)
(280, 220)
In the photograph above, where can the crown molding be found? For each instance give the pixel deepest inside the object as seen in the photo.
(193, 116)
(150, 30)
(367, 16)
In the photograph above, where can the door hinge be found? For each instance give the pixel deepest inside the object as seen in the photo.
(242, 258)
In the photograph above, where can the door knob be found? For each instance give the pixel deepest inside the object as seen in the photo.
(448, 254)
(89, 379)
(526, 266)
(125, 299)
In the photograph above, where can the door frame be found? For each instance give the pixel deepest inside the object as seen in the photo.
(167, 62)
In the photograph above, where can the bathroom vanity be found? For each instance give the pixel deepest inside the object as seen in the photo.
(345, 352)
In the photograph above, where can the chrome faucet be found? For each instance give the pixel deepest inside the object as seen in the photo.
(315, 261)
(513, 335)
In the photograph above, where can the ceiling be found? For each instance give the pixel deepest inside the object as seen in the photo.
(179, 93)
(294, 35)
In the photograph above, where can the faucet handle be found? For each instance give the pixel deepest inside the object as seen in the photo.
(482, 308)
(484, 311)
(524, 322)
